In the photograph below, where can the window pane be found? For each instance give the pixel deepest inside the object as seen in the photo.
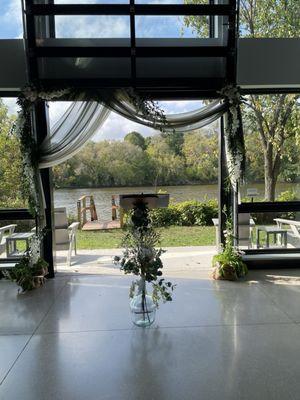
(10, 158)
(166, 27)
(269, 230)
(92, 26)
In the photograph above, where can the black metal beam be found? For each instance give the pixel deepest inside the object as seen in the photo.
(211, 22)
(271, 263)
(268, 206)
(132, 41)
(140, 51)
(232, 45)
(41, 127)
(271, 250)
(153, 84)
(248, 91)
(124, 9)
(51, 22)
(30, 42)
(9, 93)
(16, 214)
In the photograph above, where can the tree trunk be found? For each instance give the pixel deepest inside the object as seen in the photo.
(270, 185)
(271, 174)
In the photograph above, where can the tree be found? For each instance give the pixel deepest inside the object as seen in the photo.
(201, 155)
(274, 117)
(10, 162)
(167, 167)
(175, 141)
(66, 174)
(136, 138)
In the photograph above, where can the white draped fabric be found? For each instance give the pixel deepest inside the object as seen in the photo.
(71, 132)
(182, 122)
(84, 118)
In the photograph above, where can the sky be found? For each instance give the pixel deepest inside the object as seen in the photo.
(115, 127)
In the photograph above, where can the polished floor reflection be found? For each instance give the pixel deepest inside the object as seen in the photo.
(73, 339)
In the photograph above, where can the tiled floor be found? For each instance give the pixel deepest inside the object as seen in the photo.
(73, 340)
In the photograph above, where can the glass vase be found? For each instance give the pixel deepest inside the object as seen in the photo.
(142, 307)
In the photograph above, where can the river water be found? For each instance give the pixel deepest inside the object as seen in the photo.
(68, 197)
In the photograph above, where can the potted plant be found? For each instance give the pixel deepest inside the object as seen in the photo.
(228, 264)
(143, 259)
(29, 273)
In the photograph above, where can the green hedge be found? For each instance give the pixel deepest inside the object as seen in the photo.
(187, 213)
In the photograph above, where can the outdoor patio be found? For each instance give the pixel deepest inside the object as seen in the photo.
(74, 339)
(184, 262)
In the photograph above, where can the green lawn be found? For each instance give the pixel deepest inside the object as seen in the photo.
(172, 236)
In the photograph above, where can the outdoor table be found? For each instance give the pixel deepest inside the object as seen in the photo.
(11, 243)
(272, 230)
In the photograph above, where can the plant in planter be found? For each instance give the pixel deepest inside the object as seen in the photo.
(29, 273)
(228, 265)
(141, 258)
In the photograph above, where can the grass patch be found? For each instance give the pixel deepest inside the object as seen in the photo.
(171, 237)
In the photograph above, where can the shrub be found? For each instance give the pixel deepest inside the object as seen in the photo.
(187, 213)
(288, 195)
(165, 216)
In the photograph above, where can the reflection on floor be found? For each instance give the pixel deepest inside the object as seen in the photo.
(73, 340)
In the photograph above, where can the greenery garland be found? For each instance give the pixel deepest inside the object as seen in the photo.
(148, 108)
(234, 137)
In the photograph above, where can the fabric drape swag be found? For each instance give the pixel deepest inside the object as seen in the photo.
(88, 112)
(84, 118)
(71, 132)
(123, 105)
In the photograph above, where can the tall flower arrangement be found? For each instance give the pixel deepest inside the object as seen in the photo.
(143, 259)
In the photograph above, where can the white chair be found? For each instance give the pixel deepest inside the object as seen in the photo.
(5, 231)
(65, 236)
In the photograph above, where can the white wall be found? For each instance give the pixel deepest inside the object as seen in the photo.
(269, 63)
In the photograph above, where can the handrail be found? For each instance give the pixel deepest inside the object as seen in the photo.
(82, 209)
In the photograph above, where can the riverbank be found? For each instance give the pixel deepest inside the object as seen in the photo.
(68, 197)
(173, 236)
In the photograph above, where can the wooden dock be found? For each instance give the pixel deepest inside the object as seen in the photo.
(101, 225)
(87, 204)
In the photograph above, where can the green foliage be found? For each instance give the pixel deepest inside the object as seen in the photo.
(24, 274)
(197, 213)
(116, 163)
(106, 163)
(167, 167)
(288, 195)
(262, 18)
(165, 216)
(201, 154)
(175, 141)
(10, 165)
(187, 213)
(136, 139)
(142, 258)
(229, 262)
